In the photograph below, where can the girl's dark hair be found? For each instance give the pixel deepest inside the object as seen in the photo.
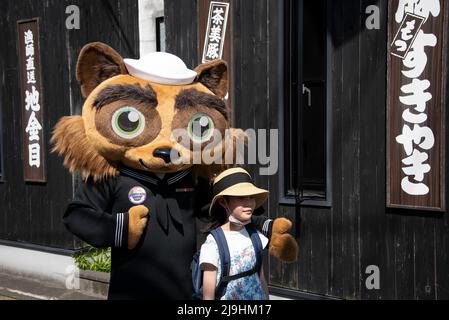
(218, 218)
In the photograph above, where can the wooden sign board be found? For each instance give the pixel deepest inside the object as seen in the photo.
(32, 103)
(205, 21)
(417, 34)
(216, 31)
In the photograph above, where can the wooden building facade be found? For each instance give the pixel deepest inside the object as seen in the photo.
(321, 73)
(31, 210)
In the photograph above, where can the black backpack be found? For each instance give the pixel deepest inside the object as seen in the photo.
(223, 250)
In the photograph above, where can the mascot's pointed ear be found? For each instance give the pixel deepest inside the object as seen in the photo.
(97, 62)
(214, 75)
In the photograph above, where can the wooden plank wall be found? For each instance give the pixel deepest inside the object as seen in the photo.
(337, 244)
(181, 25)
(31, 213)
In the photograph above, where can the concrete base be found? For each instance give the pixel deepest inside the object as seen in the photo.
(48, 267)
(19, 288)
(94, 283)
(32, 274)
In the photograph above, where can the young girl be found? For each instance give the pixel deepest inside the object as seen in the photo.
(235, 199)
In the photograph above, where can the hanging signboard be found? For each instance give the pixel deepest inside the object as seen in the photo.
(31, 101)
(216, 31)
(416, 104)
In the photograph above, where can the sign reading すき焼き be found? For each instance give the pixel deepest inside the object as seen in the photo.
(31, 98)
(415, 106)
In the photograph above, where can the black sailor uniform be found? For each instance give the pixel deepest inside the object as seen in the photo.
(159, 266)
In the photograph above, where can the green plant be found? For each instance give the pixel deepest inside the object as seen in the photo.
(95, 259)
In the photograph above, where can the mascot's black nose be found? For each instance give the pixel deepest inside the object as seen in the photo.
(163, 153)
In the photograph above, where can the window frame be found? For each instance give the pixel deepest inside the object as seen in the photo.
(159, 21)
(2, 162)
(284, 102)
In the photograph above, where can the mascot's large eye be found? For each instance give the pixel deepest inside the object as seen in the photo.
(128, 122)
(200, 128)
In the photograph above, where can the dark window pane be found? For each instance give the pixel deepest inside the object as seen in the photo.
(305, 118)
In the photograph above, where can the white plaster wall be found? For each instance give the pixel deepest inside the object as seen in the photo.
(149, 10)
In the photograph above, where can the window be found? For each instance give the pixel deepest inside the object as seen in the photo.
(306, 113)
(160, 34)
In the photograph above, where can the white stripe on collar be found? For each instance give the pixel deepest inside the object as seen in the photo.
(139, 176)
(178, 176)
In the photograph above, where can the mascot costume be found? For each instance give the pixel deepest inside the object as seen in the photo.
(134, 197)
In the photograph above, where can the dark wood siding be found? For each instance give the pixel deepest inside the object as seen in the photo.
(372, 157)
(181, 28)
(32, 213)
(337, 244)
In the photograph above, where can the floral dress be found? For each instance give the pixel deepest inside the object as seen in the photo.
(243, 258)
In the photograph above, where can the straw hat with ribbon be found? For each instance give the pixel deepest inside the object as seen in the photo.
(236, 182)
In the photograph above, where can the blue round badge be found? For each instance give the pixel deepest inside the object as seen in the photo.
(137, 195)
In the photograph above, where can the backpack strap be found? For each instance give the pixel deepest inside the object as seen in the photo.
(257, 244)
(225, 261)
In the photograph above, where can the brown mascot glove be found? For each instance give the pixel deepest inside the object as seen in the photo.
(137, 222)
(282, 245)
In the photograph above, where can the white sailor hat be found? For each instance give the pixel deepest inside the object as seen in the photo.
(160, 67)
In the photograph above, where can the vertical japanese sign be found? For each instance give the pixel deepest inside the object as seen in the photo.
(216, 31)
(416, 105)
(31, 98)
